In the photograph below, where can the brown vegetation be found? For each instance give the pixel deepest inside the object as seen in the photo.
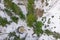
(42, 1)
(39, 12)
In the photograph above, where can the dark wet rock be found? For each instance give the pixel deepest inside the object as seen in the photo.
(28, 29)
(54, 26)
(43, 19)
(46, 26)
(20, 4)
(49, 21)
(52, 16)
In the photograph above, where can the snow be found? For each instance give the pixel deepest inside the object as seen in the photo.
(46, 37)
(38, 4)
(2, 6)
(55, 22)
(56, 13)
(2, 14)
(30, 37)
(23, 8)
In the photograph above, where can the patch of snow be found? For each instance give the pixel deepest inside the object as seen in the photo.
(23, 8)
(2, 6)
(55, 22)
(46, 37)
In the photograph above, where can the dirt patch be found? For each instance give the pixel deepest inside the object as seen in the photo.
(42, 1)
(39, 12)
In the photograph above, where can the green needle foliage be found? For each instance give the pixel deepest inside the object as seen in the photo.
(55, 35)
(8, 12)
(14, 19)
(3, 21)
(31, 19)
(38, 28)
(30, 6)
(16, 38)
(48, 32)
(10, 5)
(11, 34)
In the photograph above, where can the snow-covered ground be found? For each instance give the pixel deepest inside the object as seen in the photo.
(49, 12)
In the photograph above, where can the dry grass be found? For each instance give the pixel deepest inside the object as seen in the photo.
(39, 12)
(42, 1)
